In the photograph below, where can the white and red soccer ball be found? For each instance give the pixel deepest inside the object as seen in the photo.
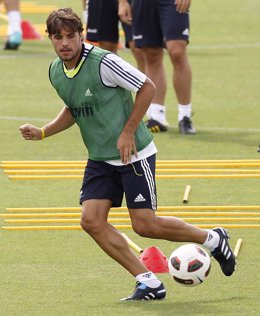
(189, 265)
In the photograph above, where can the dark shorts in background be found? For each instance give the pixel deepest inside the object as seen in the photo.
(103, 22)
(104, 181)
(157, 21)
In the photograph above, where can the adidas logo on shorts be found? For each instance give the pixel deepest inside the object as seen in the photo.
(139, 198)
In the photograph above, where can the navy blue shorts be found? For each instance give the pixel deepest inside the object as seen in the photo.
(103, 22)
(157, 21)
(137, 181)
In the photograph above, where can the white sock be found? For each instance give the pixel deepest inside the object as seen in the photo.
(157, 112)
(14, 25)
(184, 110)
(148, 279)
(212, 240)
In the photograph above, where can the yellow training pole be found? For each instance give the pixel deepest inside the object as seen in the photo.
(116, 220)
(118, 227)
(208, 176)
(58, 220)
(186, 194)
(45, 209)
(237, 247)
(126, 214)
(48, 215)
(160, 208)
(198, 161)
(21, 165)
(200, 170)
(44, 171)
(55, 227)
(47, 162)
(208, 164)
(132, 244)
(28, 171)
(46, 177)
(42, 166)
(177, 176)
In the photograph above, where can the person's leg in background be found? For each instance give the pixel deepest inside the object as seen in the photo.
(14, 31)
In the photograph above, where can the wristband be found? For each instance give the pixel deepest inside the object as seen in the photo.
(43, 132)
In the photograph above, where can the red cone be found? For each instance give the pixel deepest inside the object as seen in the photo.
(154, 260)
(29, 32)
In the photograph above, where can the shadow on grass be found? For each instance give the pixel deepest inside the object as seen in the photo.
(225, 136)
(202, 307)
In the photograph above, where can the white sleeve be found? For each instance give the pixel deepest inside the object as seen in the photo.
(114, 71)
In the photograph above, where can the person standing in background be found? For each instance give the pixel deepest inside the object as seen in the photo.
(158, 24)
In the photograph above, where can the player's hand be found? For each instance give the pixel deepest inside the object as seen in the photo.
(126, 147)
(182, 6)
(30, 132)
(124, 12)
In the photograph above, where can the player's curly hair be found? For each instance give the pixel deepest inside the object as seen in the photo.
(64, 18)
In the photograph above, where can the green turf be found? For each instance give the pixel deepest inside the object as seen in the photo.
(64, 273)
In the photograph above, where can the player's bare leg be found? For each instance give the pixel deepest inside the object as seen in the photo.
(147, 224)
(154, 69)
(182, 82)
(112, 47)
(14, 32)
(182, 75)
(138, 55)
(94, 222)
(156, 72)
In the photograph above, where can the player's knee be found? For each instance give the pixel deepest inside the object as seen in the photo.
(177, 55)
(90, 226)
(85, 224)
(153, 57)
(143, 229)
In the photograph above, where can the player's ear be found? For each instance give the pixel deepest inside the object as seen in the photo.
(81, 37)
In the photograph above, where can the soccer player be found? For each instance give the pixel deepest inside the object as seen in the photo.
(103, 26)
(158, 24)
(14, 31)
(96, 87)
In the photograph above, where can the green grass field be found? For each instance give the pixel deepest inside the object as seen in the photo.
(64, 272)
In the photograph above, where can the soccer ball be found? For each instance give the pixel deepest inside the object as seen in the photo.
(189, 265)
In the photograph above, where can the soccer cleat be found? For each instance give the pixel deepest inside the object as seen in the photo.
(223, 253)
(185, 126)
(155, 126)
(14, 41)
(146, 293)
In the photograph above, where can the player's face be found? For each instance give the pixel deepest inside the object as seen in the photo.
(67, 46)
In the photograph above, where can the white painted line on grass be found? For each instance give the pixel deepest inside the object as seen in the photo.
(229, 129)
(224, 129)
(225, 46)
(21, 118)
